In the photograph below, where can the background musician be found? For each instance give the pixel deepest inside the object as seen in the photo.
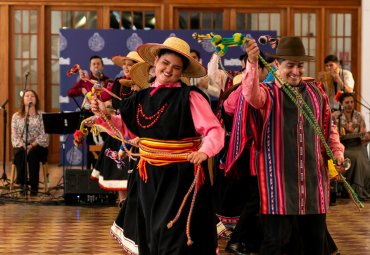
(354, 137)
(335, 79)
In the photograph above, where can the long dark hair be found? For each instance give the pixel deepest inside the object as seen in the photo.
(22, 108)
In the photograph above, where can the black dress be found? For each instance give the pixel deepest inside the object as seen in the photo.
(111, 173)
(124, 228)
(160, 197)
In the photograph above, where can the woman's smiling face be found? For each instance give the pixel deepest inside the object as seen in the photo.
(168, 68)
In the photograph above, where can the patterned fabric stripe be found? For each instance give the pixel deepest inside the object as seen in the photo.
(238, 137)
(265, 163)
(301, 181)
(314, 92)
(228, 221)
(277, 145)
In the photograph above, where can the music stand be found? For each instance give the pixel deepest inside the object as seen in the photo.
(63, 123)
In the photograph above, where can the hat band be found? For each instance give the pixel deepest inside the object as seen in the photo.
(289, 52)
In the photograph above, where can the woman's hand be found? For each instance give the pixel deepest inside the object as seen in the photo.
(29, 147)
(90, 121)
(97, 106)
(197, 157)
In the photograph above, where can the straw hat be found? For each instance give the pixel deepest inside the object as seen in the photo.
(291, 48)
(132, 55)
(149, 51)
(140, 75)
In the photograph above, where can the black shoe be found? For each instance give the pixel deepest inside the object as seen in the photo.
(236, 248)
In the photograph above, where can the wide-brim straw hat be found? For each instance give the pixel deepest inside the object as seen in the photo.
(291, 48)
(140, 75)
(132, 55)
(149, 51)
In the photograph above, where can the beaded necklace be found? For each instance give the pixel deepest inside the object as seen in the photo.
(124, 95)
(154, 118)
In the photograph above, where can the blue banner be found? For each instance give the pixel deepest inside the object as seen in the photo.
(77, 46)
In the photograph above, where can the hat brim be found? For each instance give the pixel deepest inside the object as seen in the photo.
(140, 74)
(292, 58)
(126, 83)
(119, 60)
(149, 51)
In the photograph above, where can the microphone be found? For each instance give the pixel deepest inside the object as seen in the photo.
(3, 105)
(30, 104)
(27, 74)
(99, 72)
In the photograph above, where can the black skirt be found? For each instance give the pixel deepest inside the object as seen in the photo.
(111, 173)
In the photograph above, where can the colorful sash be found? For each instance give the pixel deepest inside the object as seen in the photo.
(160, 153)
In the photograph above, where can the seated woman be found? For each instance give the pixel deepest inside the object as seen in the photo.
(29, 141)
(352, 128)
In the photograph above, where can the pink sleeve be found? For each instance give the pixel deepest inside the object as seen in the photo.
(230, 102)
(206, 124)
(117, 122)
(252, 92)
(334, 142)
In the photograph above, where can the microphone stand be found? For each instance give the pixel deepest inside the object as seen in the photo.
(365, 106)
(25, 188)
(4, 178)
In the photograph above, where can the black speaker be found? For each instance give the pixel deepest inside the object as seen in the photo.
(78, 188)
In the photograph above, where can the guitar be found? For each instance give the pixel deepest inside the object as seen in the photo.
(354, 135)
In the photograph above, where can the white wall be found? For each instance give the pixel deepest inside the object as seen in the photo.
(365, 64)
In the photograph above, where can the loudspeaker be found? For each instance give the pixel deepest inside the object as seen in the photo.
(78, 187)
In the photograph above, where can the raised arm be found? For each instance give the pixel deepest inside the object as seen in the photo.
(252, 92)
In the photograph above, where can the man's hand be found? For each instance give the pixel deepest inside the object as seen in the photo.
(339, 165)
(83, 75)
(253, 51)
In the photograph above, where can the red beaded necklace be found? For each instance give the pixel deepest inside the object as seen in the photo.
(124, 95)
(154, 118)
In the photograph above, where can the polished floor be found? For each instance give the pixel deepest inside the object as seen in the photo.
(44, 224)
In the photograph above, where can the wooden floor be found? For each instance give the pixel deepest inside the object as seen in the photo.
(46, 225)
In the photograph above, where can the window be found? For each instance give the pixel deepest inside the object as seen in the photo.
(340, 37)
(258, 21)
(305, 27)
(25, 34)
(132, 20)
(200, 20)
(65, 19)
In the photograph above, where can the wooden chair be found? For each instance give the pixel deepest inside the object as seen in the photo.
(44, 167)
